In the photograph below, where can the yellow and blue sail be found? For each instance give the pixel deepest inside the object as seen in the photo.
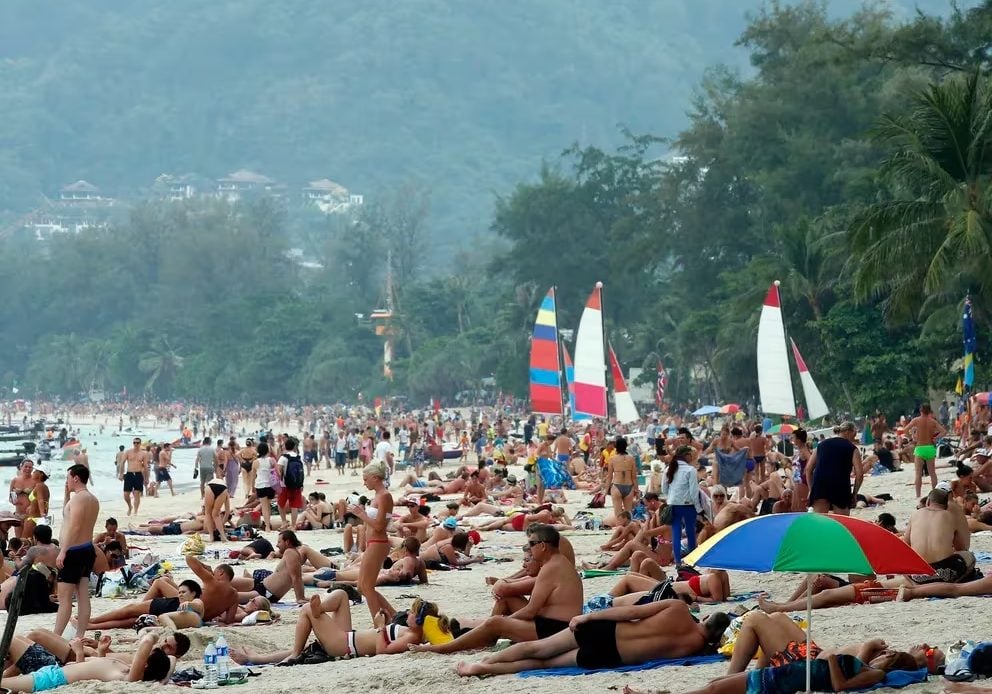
(545, 365)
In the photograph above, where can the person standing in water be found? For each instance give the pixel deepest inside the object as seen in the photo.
(77, 554)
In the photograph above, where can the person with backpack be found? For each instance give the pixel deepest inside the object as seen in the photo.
(292, 472)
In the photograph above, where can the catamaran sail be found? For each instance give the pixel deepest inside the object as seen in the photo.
(590, 359)
(545, 367)
(570, 380)
(626, 410)
(814, 401)
(774, 379)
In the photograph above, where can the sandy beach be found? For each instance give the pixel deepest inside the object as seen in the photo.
(464, 594)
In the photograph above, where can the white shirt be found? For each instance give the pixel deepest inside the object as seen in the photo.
(383, 449)
(340, 444)
(684, 489)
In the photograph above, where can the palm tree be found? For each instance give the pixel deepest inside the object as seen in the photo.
(933, 232)
(161, 362)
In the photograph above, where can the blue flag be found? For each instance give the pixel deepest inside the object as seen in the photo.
(970, 344)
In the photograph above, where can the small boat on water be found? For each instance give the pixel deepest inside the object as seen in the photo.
(10, 461)
(179, 445)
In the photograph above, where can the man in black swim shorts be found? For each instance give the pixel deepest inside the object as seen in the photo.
(611, 638)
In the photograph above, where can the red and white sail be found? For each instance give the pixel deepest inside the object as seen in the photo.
(590, 359)
(774, 379)
(814, 401)
(626, 410)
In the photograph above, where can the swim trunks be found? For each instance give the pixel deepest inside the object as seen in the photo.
(291, 498)
(951, 569)
(133, 482)
(174, 528)
(871, 593)
(162, 474)
(257, 577)
(262, 547)
(34, 658)
(793, 652)
(749, 465)
(563, 457)
(597, 641)
(925, 452)
(548, 627)
(78, 563)
(49, 677)
(162, 606)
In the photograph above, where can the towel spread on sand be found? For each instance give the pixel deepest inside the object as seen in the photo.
(651, 664)
(732, 467)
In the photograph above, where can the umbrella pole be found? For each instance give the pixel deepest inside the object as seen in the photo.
(809, 624)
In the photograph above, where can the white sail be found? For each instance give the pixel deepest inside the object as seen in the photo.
(774, 379)
(590, 359)
(626, 409)
(814, 401)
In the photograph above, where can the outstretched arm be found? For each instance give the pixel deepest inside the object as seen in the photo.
(202, 571)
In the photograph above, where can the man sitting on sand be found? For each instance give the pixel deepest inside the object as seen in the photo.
(273, 585)
(611, 638)
(150, 664)
(555, 599)
(407, 569)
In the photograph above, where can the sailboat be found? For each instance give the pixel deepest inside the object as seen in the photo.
(626, 410)
(545, 366)
(590, 359)
(774, 376)
(570, 381)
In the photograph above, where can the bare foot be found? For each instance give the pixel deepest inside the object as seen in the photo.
(470, 669)
(904, 594)
(766, 605)
(315, 605)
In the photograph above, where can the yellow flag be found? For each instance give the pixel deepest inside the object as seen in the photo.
(959, 388)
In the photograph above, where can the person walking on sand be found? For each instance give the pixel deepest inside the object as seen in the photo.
(828, 472)
(135, 469)
(77, 554)
(927, 430)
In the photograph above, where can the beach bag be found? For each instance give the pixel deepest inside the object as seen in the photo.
(598, 500)
(193, 545)
(293, 477)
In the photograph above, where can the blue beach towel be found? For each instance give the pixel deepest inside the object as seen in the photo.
(554, 474)
(732, 467)
(983, 557)
(897, 679)
(650, 665)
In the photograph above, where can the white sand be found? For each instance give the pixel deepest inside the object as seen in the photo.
(463, 594)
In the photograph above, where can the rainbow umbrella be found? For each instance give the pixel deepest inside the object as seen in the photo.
(809, 543)
(781, 429)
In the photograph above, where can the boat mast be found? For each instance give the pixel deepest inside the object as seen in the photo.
(606, 351)
(561, 362)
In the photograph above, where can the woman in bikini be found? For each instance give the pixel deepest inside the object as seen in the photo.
(215, 500)
(709, 587)
(318, 514)
(376, 518)
(621, 478)
(190, 612)
(38, 497)
(155, 604)
(23, 481)
(800, 490)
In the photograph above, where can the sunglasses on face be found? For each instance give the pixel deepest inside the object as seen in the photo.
(535, 542)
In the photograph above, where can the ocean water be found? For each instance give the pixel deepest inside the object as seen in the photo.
(102, 449)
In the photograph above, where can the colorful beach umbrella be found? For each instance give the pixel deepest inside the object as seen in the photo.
(982, 398)
(781, 429)
(706, 409)
(809, 543)
(732, 408)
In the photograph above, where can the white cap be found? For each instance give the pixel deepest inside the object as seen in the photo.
(944, 486)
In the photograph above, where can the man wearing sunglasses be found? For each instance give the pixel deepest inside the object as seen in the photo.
(136, 468)
(555, 599)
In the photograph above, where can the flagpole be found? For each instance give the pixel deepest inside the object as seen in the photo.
(561, 362)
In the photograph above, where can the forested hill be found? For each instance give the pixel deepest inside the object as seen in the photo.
(464, 98)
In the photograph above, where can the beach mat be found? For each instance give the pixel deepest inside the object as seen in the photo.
(983, 557)
(750, 595)
(897, 679)
(650, 665)
(597, 573)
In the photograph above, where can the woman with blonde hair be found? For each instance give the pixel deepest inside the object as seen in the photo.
(376, 517)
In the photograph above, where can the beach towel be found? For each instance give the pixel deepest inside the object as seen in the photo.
(983, 557)
(554, 474)
(732, 467)
(650, 665)
(897, 679)
(597, 573)
(749, 595)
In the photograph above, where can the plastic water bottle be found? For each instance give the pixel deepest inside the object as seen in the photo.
(223, 660)
(210, 666)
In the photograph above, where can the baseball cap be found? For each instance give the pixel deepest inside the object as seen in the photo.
(944, 486)
(450, 523)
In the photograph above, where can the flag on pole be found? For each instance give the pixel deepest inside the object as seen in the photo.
(970, 344)
(659, 395)
(959, 388)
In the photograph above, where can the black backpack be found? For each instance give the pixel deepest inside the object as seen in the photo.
(293, 477)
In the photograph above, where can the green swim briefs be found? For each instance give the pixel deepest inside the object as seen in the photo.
(925, 452)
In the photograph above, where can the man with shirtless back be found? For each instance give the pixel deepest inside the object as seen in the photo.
(621, 478)
(928, 430)
(562, 447)
(220, 599)
(938, 536)
(76, 554)
(555, 599)
(758, 450)
(287, 576)
(611, 638)
(135, 468)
